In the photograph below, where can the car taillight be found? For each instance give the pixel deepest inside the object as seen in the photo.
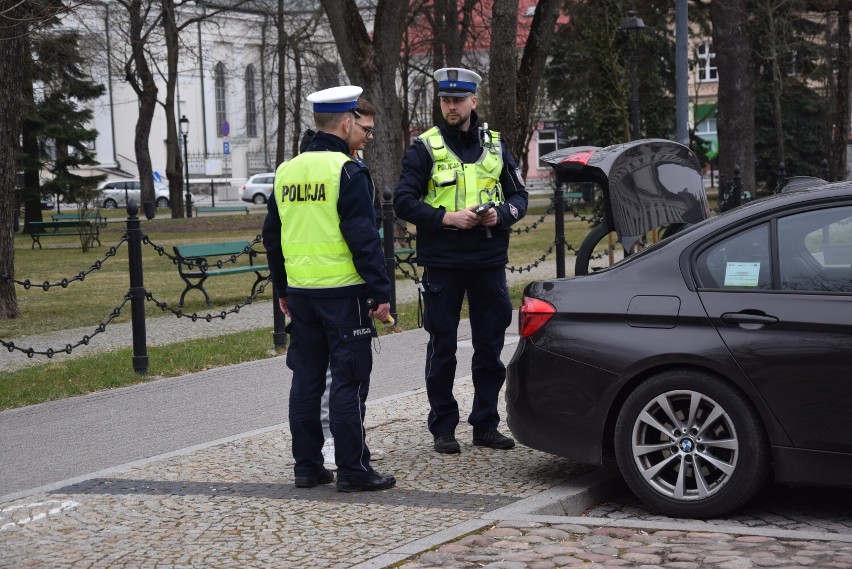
(581, 157)
(244, 187)
(534, 314)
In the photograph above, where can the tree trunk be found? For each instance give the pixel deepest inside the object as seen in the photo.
(503, 53)
(30, 195)
(736, 89)
(281, 138)
(141, 78)
(174, 161)
(777, 85)
(373, 65)
(840, 136)
(297, 99)
(520, 119)
(13, 47)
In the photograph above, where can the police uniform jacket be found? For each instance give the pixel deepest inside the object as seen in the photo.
(357, 224)
(445, 247)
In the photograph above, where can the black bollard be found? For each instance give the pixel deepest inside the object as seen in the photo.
(388, 238)
(137, 289)
(279, 325)
(824, 170)
(559, 203)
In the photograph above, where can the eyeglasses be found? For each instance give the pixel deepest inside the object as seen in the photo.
(368, 130)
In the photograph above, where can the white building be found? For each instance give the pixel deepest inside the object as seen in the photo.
(227, 85)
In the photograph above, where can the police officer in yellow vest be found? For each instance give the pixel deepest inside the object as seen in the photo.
(461, 188)
(326, 260)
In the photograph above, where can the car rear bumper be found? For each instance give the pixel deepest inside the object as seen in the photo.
(554, 404)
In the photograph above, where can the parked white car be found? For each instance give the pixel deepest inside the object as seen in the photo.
(116, 193)
(258, 188)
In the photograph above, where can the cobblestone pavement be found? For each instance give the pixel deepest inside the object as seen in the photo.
(535, 545)
(233, 504)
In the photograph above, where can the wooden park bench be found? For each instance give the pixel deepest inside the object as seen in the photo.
(402, 254)
(195, 265)
(573, 198)
(221, 209)
(94, 216)
(77, 227)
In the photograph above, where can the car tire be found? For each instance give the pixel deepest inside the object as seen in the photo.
(110, 203)
(163, 202)
(657, 445)
(259, 199)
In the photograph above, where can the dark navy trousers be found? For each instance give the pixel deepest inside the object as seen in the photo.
(490, 310)
(335, 332)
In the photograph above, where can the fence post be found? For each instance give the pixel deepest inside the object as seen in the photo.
(137, 289)
(559, 203)
(279, 324)
(212, 193)
(388, 238)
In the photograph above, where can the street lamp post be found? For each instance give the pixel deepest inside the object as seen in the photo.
(633, 25)
(184, 130)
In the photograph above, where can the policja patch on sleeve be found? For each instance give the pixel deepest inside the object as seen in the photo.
(514, 211)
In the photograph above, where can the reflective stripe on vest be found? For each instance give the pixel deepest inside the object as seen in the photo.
(315, 253)
(451, 180)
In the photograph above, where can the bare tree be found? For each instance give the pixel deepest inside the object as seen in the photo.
(736, 89)
(142, 21)
(296, 42)
(504, 64)
(172, 29)
(372, 63)
(514, 98)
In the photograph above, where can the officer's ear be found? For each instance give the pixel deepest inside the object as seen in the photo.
(473, 101)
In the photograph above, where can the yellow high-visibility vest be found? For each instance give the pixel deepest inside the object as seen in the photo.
(315, 253)
(455, 185)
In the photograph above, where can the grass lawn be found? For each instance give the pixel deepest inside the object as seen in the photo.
(89, 302)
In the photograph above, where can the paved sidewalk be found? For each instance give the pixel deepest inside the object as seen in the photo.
(232, 503)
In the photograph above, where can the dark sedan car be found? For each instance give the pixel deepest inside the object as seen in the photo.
(707, 363)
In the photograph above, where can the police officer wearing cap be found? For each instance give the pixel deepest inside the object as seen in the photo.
(326, 260)
(461, 188)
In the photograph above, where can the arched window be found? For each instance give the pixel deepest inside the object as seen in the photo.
(221, 108)
(251, 106)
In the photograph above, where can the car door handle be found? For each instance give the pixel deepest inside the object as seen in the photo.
(738, 318)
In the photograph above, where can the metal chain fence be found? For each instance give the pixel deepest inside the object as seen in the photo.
(84, 341)
(137, 294)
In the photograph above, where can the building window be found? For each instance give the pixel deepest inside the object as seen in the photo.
(251, 106)
(705, 68)
(706, 127)
(221, 109)
(547, 142)
(705, 119)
